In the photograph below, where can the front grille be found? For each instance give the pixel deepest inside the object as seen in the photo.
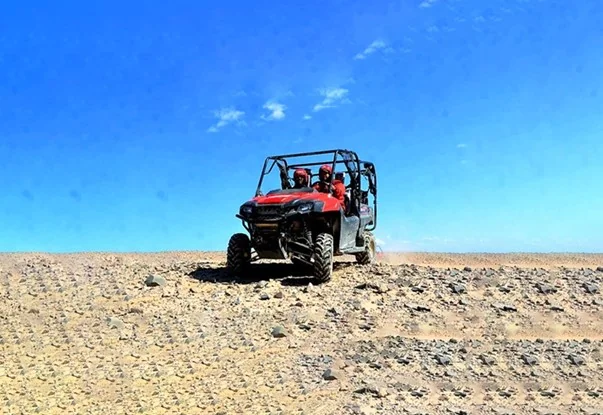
(269, 210)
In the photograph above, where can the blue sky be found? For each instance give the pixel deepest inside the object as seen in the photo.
(143, 126)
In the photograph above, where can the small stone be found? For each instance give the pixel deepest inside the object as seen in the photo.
(549, 393)
(155, 281)
(373, 389)
(600, 269)
(576, 359)
(418, 307)
(591, 288)
(504, 307)
(504, 289)
(329, 374)
(115, 323)
(487, 360)
(264, 296)
(279, 295)
(528, 359)
(545, 288)
(443, 359)
(279, 332)
(467, 269)
(458, 288)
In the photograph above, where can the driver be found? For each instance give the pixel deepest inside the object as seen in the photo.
(300, 177)
(324, 175)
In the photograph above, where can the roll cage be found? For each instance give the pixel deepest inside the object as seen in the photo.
(356, 169)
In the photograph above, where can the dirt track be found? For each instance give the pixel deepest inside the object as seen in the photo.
(416, 333)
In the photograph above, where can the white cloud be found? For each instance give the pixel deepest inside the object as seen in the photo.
(307, 117)
(372, 48)
(277, 111)
(461, 145)
(427, 3)
(226, 116)
(332, 96)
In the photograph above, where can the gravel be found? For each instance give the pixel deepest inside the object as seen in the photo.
(101, 333)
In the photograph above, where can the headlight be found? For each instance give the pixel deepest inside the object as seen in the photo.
(246, 210)
(307, 207)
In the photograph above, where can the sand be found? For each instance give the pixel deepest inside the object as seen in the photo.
(415, 333)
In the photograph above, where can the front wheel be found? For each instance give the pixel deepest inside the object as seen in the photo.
(323, 257)
(238, 256)
(370, 248)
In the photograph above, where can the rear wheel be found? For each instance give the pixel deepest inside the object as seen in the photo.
(323, 257)
(370, 248)
(238, 256)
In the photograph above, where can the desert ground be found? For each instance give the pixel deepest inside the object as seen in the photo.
(112, 333)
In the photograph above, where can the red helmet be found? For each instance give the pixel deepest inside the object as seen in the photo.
(326, 168)
(300, 173)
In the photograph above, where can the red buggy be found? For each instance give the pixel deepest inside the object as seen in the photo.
(304, 225)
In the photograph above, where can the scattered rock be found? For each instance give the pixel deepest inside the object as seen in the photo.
(155, 281)
(458, 288)
(443, 359)
(418, 307)
(115, 323)
(545, 288)
(487, 360)
(279, 332)
(378, 288)
(202, 350)
(591, 288)
(504, 307)
(529, 359)
(576, 359)
(330, 374)
(373, 389)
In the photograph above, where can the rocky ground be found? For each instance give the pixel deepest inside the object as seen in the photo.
(412, 334)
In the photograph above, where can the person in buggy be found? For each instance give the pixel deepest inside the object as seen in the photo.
(322, 185)
(300, 178)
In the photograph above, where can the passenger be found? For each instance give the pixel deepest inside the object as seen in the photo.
(338, 189)
(300, 177)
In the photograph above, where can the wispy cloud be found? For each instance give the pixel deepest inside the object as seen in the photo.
(307, 117)
(277, 111)
(226, 116)
(427, 3)
(372, 48)
(461, 145)
(332, 96)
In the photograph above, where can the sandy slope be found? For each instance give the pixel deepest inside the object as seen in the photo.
(416, 333)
